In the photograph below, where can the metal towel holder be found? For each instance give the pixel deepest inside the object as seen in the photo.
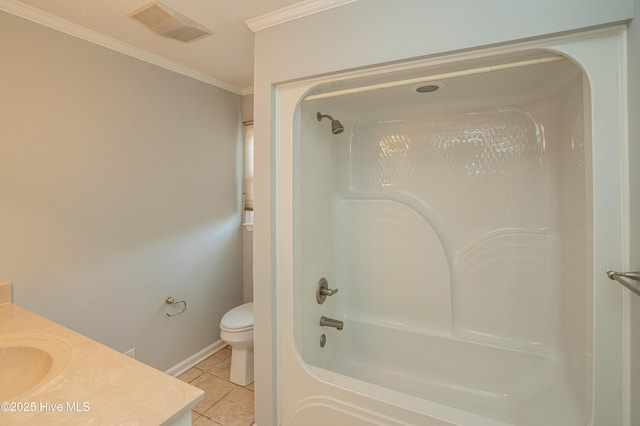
(625, 279)
(169, 300)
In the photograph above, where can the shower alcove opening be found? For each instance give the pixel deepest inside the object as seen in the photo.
(457, 225)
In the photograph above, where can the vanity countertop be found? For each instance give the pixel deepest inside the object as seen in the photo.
(97, 385)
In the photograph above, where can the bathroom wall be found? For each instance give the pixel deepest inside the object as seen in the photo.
(119, 186)
(361, 34)
(634, 180)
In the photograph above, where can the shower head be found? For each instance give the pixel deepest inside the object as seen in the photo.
(336, 126)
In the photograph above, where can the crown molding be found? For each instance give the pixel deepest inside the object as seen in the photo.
(56, 23)
(290, 13)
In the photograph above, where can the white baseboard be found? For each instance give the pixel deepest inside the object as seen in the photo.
(196, 358)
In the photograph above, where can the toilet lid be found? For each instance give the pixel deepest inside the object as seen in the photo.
(238, 319)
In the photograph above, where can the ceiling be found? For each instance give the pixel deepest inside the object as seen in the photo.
(224, 58)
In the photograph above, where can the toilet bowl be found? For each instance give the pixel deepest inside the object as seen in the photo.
(236, 329)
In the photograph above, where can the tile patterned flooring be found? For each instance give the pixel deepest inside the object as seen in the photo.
(224, 403)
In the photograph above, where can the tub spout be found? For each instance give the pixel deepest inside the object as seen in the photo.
(330, 322)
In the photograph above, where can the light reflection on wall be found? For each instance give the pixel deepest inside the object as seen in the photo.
(395, 166)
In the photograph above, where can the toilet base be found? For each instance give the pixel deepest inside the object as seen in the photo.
(241, 366)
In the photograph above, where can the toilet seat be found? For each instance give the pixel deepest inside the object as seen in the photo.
(238, 319)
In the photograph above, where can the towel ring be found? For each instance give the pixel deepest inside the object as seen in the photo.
(169, 300)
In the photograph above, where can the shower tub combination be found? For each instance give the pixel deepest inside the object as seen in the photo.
(454, 217)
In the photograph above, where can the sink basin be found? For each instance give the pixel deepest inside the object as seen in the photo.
(28, 361)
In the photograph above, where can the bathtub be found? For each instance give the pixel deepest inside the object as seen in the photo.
(500, 386)
(458, 227)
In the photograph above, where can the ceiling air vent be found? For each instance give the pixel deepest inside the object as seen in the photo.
(168, 23)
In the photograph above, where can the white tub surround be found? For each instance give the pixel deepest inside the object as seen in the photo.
(448, 222)
(88, 382)
(477, 219)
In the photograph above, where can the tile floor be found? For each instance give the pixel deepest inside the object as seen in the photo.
(224, 403)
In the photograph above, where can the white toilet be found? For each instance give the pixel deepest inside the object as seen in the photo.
(236, 329)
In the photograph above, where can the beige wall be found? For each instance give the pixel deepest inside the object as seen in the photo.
(247, 108)
(119, 186)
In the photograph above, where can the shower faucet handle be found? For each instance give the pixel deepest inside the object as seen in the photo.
(323, 290)
(328, 291)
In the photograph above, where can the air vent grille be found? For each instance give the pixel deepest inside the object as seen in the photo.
(168, 23)
(191, 34)
(152, 15)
